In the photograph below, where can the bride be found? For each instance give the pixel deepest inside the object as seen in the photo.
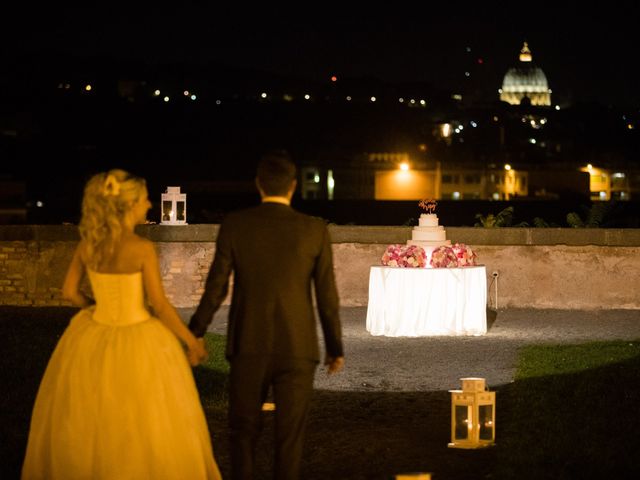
(118, 399)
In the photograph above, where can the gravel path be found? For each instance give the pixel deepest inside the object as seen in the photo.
(402, 364)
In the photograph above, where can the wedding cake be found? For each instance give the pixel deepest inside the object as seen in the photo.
(428, 234)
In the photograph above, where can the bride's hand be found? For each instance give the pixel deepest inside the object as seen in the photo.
(197, 353)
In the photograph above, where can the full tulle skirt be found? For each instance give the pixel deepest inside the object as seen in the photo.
(118, 402)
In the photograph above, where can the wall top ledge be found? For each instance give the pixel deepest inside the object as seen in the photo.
(626, 237)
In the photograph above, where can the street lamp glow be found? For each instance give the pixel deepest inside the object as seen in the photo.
(404, 166)
(507, 167)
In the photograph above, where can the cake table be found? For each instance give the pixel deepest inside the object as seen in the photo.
(415, 302)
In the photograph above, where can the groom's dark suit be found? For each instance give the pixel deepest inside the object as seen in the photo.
(276, 255)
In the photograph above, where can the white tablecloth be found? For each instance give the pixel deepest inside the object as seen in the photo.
(414, 302)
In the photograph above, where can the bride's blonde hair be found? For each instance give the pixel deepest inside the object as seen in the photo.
(108, 196)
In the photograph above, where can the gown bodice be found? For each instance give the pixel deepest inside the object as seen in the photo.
(119, 298)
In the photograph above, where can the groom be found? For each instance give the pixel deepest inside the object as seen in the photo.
(276, 255)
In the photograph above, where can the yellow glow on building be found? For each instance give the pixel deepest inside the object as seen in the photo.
(599, 182)
(509, 188)
(404, 184)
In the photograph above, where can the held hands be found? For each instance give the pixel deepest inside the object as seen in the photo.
(334, 364)
(196, 352)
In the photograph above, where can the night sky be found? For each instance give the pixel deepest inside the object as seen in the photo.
(587, 54)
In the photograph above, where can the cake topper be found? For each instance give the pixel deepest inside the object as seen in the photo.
(429, 205)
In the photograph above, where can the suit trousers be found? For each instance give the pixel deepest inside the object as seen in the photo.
(291, 380)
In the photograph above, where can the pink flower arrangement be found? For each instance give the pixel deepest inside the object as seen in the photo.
(404, 256)
(444, 257)
(466, 256)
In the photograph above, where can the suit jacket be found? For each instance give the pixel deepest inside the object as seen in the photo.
(277, 255)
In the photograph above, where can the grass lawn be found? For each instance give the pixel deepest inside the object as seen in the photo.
(572, 413)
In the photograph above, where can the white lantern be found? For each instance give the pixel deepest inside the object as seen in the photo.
(174, 207)
(473, 414)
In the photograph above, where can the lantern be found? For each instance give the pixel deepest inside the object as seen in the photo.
(174, 207)
(413, 476)
(473, 413)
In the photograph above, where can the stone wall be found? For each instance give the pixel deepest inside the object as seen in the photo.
(537, 268)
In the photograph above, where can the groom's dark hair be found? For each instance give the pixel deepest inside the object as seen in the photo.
(276, 172)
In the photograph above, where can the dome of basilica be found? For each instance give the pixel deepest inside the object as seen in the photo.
(525, 81)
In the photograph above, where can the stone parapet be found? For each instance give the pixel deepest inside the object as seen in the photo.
(537, 268)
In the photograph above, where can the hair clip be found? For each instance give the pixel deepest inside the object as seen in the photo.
(111, 186)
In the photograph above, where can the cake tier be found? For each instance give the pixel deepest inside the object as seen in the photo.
(428, 220)
(429, 243)
(434, 234)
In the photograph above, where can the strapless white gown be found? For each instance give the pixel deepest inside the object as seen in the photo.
(118, 399)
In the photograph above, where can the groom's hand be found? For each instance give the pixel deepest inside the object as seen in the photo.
(197, 353)
(334, 364)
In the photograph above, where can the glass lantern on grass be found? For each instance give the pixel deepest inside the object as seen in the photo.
(473, 414)
(173, 207)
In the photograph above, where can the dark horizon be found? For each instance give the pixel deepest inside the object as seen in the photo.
(586, 52)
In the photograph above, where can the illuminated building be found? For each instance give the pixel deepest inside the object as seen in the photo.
(526, 80)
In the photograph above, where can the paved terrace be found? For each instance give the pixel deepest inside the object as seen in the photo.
(436, 363)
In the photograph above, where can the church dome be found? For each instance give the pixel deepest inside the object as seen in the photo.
(525, 80)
